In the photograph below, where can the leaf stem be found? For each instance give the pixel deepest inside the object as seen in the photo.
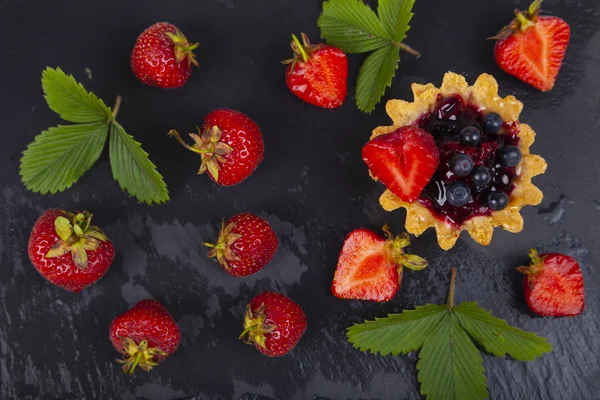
(408, 49)
(451, 291)
(116, 107)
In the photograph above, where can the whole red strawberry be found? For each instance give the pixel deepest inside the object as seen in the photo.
(317, 74)
(553, 285)
(273, 323)
(146, 334)
(163, 57)
(230, 145)
(403, 160)
(246, 244)
(68, 251)
(370, 266)
(533, 47)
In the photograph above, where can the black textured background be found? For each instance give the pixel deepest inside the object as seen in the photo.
(312, 187)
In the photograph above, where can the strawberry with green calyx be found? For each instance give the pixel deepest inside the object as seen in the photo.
(68, 251)
(273, 323)
(370, 266)
(245, 245)
(532, 47)
(146, 334)
(163, 57)
(553, 285)
(230, 145)
(317, 74)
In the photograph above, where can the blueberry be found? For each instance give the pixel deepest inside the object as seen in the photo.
(481, 176)
(458, 194)
(497, 201)
(509, 156)
(470, 136)
(461, 165)
(492, 123)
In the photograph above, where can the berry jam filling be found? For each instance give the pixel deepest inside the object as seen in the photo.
(478, 156)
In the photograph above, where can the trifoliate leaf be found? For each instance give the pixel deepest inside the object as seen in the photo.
(398, 333)
(132, 168)
(70, 100)
(352, 26)
(450, 366)
(375, 75)
(395, 16)
(58, 157)
(497, 337)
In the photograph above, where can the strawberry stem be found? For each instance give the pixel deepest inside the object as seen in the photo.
(451, 291)
(218, 246)
(300, 48)
(177, 136)
(116, 107)
(138, 357)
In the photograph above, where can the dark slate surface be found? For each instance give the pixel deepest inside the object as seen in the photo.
(312, 187)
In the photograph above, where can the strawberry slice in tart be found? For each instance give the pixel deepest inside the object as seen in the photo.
(457, 158)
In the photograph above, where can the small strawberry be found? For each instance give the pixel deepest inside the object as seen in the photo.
(553, 285)
(370, 266)
(230, 145)
(68, 251)
(317, 74)
(163, 57)
(273, 324)
(533, 47)
(145, 334)
(403, 160)
(246, 244)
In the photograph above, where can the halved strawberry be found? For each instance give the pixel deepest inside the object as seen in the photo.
(370, 266)
(403, 160)
(533, 47)
(553, 285)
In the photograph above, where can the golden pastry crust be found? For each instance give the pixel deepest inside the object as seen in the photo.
(483, 94)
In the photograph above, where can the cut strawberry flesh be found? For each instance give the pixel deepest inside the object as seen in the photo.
(404, 161)
(365, 271)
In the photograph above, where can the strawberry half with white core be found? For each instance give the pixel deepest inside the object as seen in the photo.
(533, 46)
(403, 160)
(370, 266)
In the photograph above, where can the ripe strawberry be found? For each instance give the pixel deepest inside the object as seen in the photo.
(370, 266)
(273, 324)
(163, 57)
(145, 334)
(533, 47)
(403, 160)
(246, 244)
(553, 285)
(68, 251)
(230, 145)
(317, 74)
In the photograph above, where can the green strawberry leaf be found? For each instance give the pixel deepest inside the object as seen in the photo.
(450, 365)
(352, 26)
(375, 75)
(132, 168)
(497, 337)
(58, 157)
(70, 100)
(395, 16)
(398, 333)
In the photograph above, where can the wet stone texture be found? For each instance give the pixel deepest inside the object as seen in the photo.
(312, 187)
